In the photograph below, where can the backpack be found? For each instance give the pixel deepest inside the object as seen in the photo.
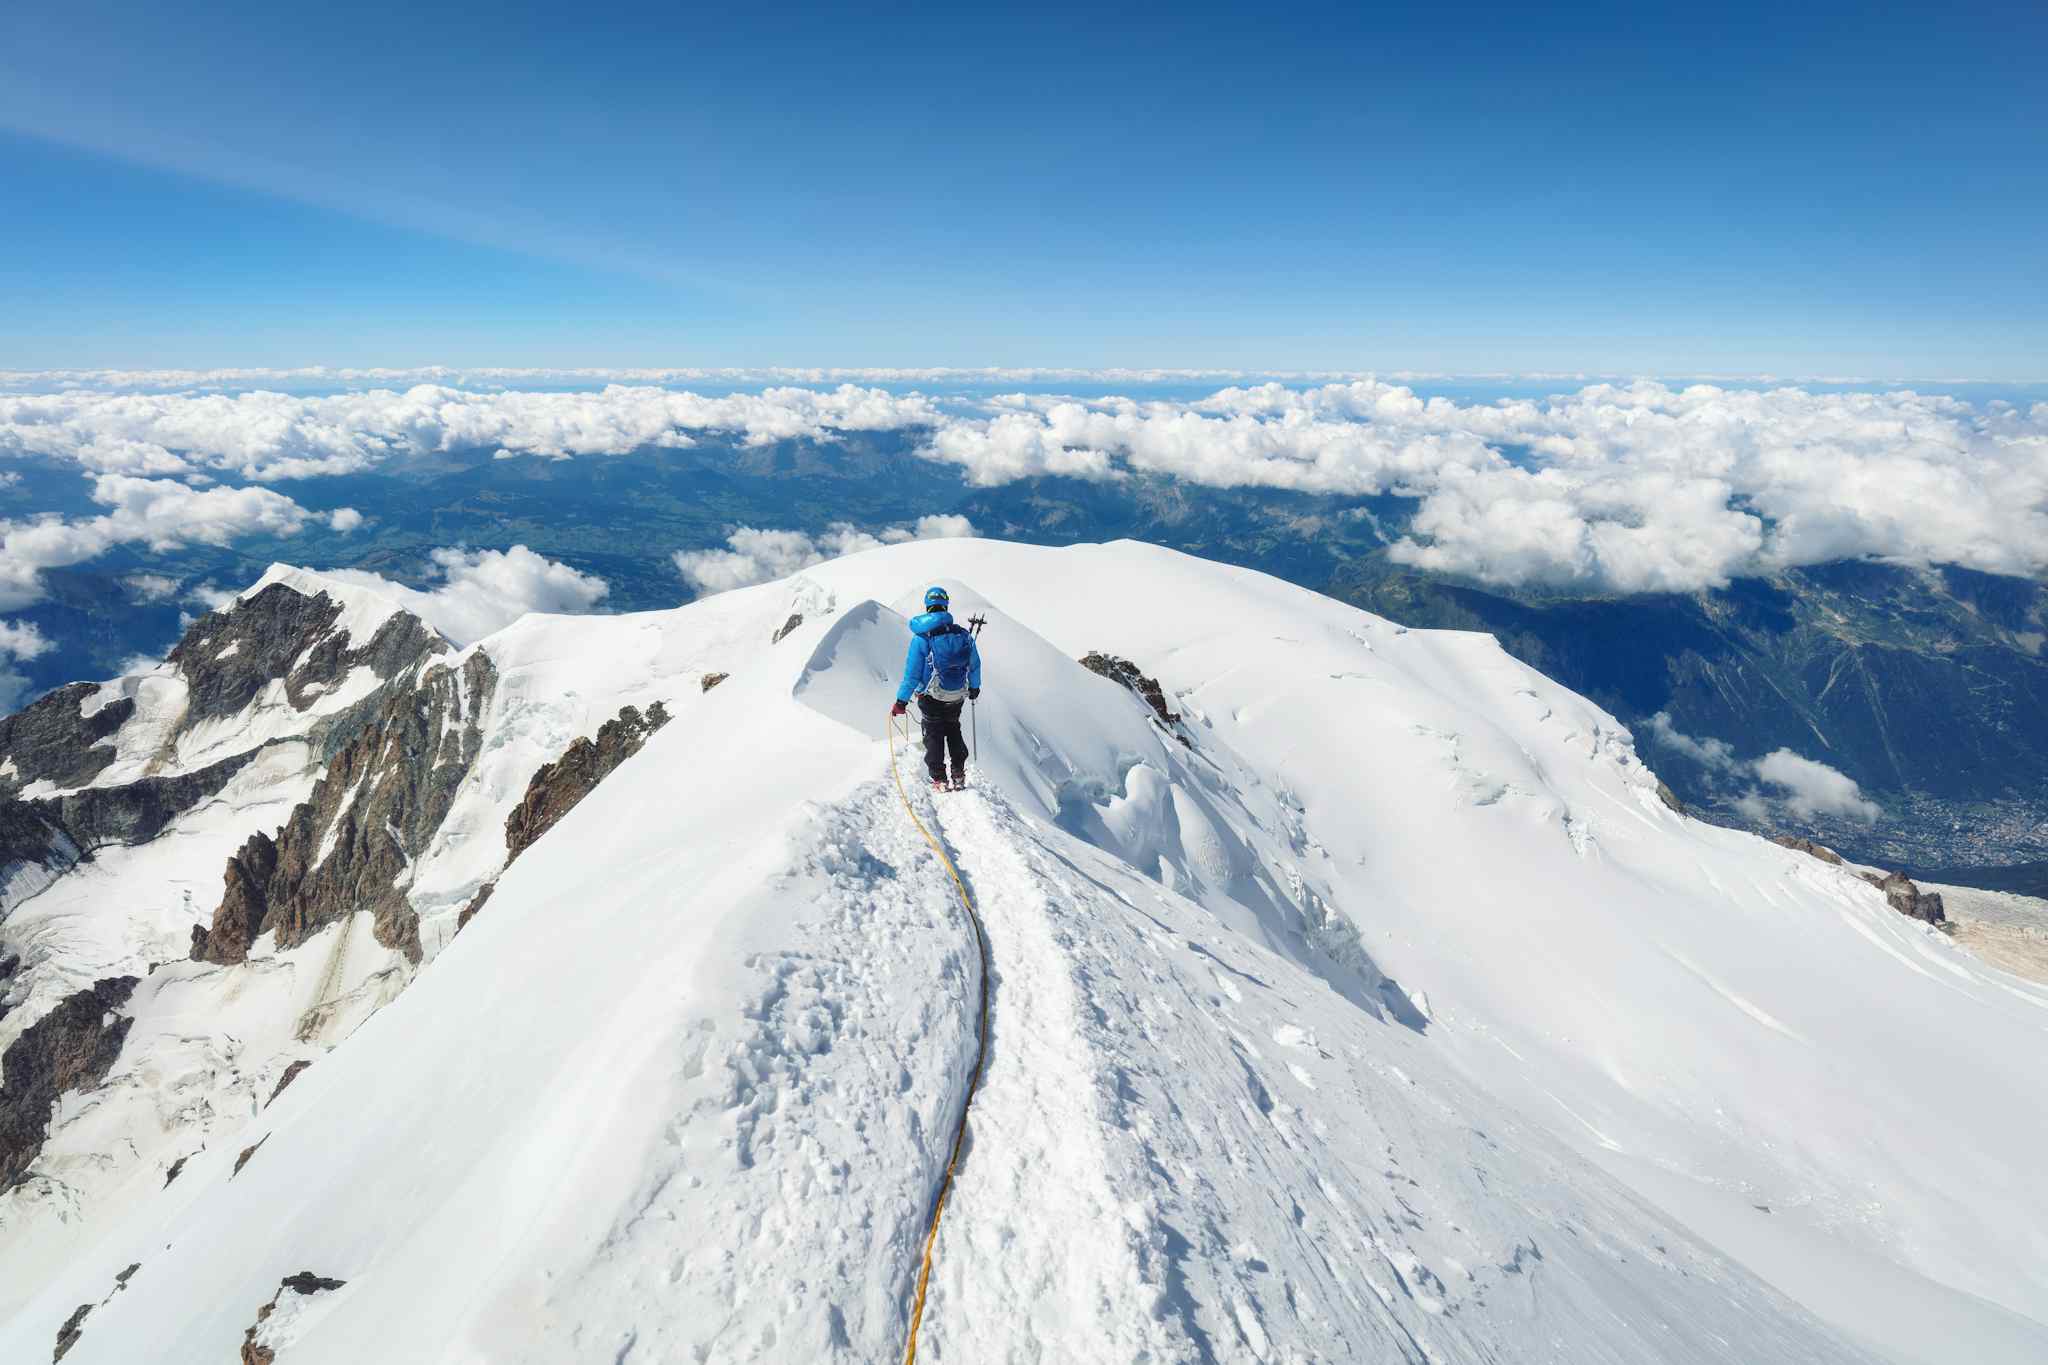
(952, 651)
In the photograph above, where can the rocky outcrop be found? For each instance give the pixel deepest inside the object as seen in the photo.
(711, 680)
(556, 788)
(229, 657)
(303, 1283)
(51, 742)
(1126, 674)
(352, 846)
(70, 1048)
(1900, 891)
(1904, 895)
(291, 1073)
(795, 619)
(71, 1331)
(1669, 798)
(1809, 847)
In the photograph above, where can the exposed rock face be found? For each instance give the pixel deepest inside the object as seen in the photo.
(71, 1331)
(1126, 673)
(795, 619)
(476, 903)
(51, 742)
(247, 1152)
(1809, 847)
(225, 662)
(291, 1073)
(229, 657)
(1900, 891)
(1905, 896)
(556, 788)
(711, 680)
(304, 1283)
(70, 1048)
(352, 846)
(1669, 797)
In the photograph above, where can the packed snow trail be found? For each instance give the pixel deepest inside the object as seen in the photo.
(924, 1271)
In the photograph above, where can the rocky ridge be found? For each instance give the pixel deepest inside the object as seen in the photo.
(353, 845)
(1901, 892)
(556, 787)
(70, 1048)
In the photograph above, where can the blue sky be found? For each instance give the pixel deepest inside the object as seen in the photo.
(1800, 190)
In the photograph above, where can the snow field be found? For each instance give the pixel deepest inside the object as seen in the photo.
(684, 1089)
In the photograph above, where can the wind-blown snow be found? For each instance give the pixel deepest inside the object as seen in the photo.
(1391, 1018)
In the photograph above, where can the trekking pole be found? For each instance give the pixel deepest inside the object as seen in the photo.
(974, 625)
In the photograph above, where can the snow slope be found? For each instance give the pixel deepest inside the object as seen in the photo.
(1390, 1017)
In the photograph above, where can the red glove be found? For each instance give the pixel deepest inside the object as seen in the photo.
(899, 708)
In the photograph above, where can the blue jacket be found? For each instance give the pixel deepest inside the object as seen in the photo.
(917, 665)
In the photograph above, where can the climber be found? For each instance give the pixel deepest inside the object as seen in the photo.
(943, 669)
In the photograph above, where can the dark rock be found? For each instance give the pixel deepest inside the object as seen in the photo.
(51, 742)
(136, 812)
(71, 1331)
(70, 1048)
(244, 905)
(795, 620)
(121, 1280)
(259, 636)
(1906, 897)
(177, 1169)
(711, 680)
(383, 799)
(1809, 847)
(31, 837)
(291, 1073)
(247, 1152)
(1124, 672)
(229, 657)
(305, 1282)
(1669, 797)
(476, 903)
(557, 787)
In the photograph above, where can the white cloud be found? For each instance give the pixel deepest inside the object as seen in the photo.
(1627, 487)
(151, 587)
(1804, 787)
(1811, 788)
(23, 640)
(344, 519)
(211, 596)
(482, 591)
(18, 640)
(757, 556)
(1717, 754)
(160, 513)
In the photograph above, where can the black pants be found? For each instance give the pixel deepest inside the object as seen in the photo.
(941, 722)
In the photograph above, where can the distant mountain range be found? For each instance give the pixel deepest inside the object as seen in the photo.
(1928, 688)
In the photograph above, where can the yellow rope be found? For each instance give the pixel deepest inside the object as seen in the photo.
(931, 1235)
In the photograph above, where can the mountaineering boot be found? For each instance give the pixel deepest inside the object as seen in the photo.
(939, 784)
(959, 783)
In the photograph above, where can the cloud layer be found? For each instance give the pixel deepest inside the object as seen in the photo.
(161, 513)
(1802, 787)
(1614, 487)
(757, 556)
(483, 591)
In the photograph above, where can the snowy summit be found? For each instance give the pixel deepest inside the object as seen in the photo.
(593, 993)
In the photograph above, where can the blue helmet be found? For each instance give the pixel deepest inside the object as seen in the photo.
(936, 599)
